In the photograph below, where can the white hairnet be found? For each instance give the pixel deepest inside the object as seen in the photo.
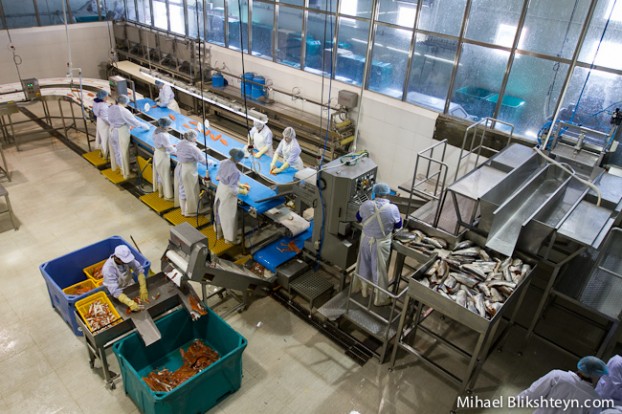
(258, 124)
(289, 133)
(123, 99)
(190, 135)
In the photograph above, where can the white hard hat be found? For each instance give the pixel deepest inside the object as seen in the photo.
(123, 253)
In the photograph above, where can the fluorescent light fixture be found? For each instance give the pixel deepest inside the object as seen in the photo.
(207, 99)
(440, 59)
(397, 50)
(505, 35)
(406, 15)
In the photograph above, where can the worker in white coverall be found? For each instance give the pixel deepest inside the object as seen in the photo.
(289, 150)
(380, 218)
(162, 182)
(166, 97)
(610, 385)
(226, 201)
(121, 120)
(575, 387)
(100, 110)
(186, 174)
(117, 273)
(260, 137)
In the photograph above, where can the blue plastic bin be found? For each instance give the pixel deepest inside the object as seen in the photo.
(258, 87)
(218, 81)
(246, 86)
(199, 393)
(66, 270)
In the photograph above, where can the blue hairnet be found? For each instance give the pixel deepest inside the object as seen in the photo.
(592, 366)
(289, 133)
(123, 99)
(381, 189)
(236, 154)
(190, 135)
(159, 83)
(164, 122)
(101, 94)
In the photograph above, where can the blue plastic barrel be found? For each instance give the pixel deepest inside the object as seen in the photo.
(258, 90)
(247, 87)
(218, 81)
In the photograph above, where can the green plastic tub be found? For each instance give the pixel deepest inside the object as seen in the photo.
(199, 393)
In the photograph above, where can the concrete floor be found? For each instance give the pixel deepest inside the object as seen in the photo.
(63, 204)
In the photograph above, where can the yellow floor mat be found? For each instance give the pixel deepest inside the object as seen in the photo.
(95, 158)
(217, 247)
(159, 205)
(146, 168)
(115, 176)
(174, 217)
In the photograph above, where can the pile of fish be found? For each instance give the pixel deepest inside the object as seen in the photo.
(468, 275)
(98, 271)
(195, 359)
(100, 316)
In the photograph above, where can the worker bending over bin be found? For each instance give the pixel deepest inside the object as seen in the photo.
(610, 385)
(166, 97)
(121, 120)
(380, 218)
(260, 137)
(569, 386)
(226, 200)
(162, 159)
(117, 273)
(289, 150)
(100, 110)
(186, 174)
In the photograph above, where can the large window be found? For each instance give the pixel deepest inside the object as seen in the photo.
(604, 38)
(430, 73)
(20, 13)
(51, 12)
(177, 19)
(238, 24)
(389, 60)
(144, 11)
(494, 21)
(215, 27)
(442, 16)
(263, 22)
(160, 14)
(351, 50)
(478, 79)
(321, 30)
(289, 36)
(399, 13)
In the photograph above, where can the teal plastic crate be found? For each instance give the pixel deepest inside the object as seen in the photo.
(199, 393)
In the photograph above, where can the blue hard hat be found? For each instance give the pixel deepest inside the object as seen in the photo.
(236, 154)
(101, 94)
(592, 366)
(165, 123)
(381, 189)
(123, 99)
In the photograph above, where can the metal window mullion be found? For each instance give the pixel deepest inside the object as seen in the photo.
(168, 17)
(303, 36)
(226, 17)
(367, 69)
(36, 6)
(186, 18)
(454, 72)
(333, 63)
(99, 11)
(275, 31)
(508, 67)
(150, 13)
(411, 53)
(69, 12)
(3, 17)
(249, 28)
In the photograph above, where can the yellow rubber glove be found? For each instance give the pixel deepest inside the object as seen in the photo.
(243, 189)
(261, 152)
(273, 163)
(144, 295)
(284, 166)
(134, 307)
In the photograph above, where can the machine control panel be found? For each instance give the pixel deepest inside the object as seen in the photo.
(31, 87)
(118, 86)
(364, 183)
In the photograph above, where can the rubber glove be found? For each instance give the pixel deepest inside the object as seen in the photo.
(284, 166)
(134, 307)
(144, 295)
(261, 152)
(273, 163)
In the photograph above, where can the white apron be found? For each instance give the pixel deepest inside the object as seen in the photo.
(113, 147)
(187, 188)
(374, 256)
(162, 173)
(287, 148)
(101, 137)
(259, 141)
(225, 212)
(174, 106)
(124, 150)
